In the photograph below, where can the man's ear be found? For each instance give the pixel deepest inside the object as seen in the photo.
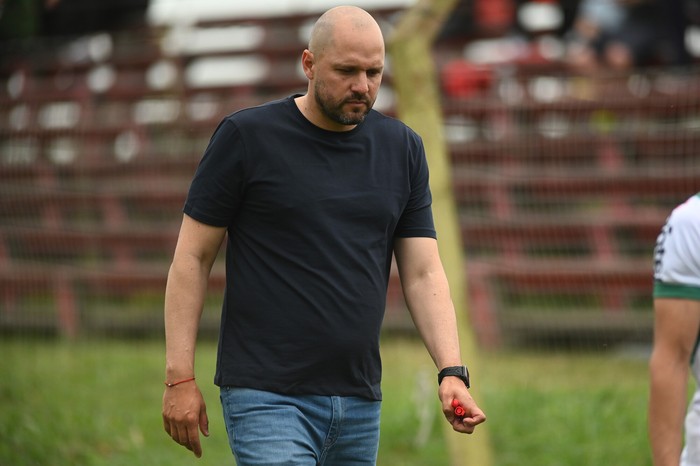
(307, 63)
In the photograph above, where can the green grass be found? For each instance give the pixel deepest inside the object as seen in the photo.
(98, 404)
(567, 409)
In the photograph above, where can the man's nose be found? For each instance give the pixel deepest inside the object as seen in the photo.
(360, 84)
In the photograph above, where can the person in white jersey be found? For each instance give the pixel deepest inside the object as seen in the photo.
(676, 339)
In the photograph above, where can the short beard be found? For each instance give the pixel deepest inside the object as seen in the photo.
(334, 112)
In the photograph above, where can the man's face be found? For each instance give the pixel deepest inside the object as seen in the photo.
(347, 78)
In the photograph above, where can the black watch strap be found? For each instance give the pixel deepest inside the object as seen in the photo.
(460, 372)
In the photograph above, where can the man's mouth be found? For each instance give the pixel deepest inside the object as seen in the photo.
(356, 102)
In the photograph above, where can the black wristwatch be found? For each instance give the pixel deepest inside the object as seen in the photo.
(460, 372)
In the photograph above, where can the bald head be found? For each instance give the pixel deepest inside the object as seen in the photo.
(344, 64)
(339, 23)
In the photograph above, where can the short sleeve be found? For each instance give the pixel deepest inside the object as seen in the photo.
(417, 218)
(218, 185)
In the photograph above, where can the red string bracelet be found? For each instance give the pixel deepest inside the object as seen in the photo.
(178, 382)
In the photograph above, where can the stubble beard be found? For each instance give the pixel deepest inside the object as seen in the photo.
(333, 110)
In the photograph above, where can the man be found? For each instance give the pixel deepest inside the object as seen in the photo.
(316, 192)
(676, 332)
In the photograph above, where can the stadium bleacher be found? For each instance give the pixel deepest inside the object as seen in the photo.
(562, 182)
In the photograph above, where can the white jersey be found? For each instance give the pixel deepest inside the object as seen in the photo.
(677, 253)
(677, 275)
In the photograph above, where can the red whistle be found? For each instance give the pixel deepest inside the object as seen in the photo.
(459, 410)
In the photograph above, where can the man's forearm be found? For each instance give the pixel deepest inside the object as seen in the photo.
(184, 301)
(432, 310)
(667, 403)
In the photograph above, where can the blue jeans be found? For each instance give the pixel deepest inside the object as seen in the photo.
(269, 429)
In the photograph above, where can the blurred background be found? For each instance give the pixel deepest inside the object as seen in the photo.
(573, 128)
(566, 157)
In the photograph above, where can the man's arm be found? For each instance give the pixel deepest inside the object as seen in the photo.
(184, 410)
(427, 295)
(676, 324)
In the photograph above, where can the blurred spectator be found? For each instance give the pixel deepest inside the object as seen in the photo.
(478, 18)
(74, 17)
(19, 19)
(623, 34)
(27, 19)
(23, 23)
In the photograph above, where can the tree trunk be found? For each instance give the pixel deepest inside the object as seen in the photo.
(419, 106)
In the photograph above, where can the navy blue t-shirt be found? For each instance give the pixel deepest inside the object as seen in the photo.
(311, 217)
